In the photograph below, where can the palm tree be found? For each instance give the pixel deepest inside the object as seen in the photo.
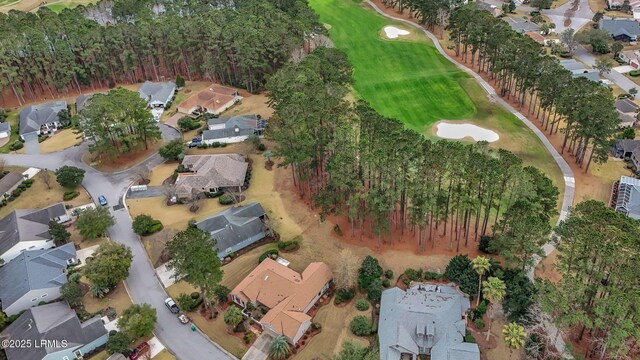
(481, 265)
(493, 290)
(279, 348)
(514, 336)
(233, 316)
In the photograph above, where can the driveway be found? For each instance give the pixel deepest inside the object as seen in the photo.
(142, 284)
(151, 192)
(31, 144)
(260, 348)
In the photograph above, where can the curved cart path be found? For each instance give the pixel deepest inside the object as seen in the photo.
(567, 173)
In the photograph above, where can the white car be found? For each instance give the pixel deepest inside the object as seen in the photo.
(171, 305)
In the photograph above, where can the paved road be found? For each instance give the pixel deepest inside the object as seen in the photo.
(142, 284)
(569, 179)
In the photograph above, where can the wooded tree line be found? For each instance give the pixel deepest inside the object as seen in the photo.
(354, 162)
(52, 54)
(517, 65)
(598, 252)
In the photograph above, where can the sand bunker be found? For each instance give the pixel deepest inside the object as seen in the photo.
(393, 32)
(462, 130)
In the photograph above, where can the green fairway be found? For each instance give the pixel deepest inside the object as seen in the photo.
(409, 80)
(406, 80)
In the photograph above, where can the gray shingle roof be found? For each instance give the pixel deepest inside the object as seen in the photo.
(32, 270)
(157, 92)
(28, 225)
(572, 65)
(54, 321)
(626, 106)
(424, 317)
(33, 117)
(82, 100)
(521, 25)
(5, 126)
(626, 145)
(241, 125)
(10, 180)
(617, 27)
(232, 226)
(211, 171)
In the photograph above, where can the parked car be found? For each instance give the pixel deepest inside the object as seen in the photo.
(102, 200)
(191, 145)
(139, 351)
(183, 318)
(171, 305)
(196, 140)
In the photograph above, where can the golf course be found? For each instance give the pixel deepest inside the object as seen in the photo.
(408, 79)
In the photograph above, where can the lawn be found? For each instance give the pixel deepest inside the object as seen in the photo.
(12, 119)
(117, 298)
(38, 196)
(32, 5)
(60, 141)
(407, 80)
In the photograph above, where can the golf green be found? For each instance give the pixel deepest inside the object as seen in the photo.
(403, 79)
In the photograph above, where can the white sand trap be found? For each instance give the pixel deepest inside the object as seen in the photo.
(393, 32)
(461, 131)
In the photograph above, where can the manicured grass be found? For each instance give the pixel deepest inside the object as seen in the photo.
(407, 80)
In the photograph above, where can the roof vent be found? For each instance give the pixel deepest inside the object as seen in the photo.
(266, 277)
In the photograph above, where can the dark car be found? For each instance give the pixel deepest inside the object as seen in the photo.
(142, 349)
(196, 140)
(171, 305)
(102, 200)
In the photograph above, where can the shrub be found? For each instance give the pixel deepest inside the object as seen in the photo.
(362, 305)
(460, 271)
(369, 271)
(634, 73)
(248, 336)
(388, 274)
(268, 253)
(186, 123)
(412, 274)
(468, 338)
(485, 244)
(188, 302)
(226, 199)
(374, 290)
(221, 292)
(16, 145)
(480, 310)
(430, 275)
(262, 147)
(146, 225)
(315, 326)
(68, 195)
(288, 245)
(361, 326)
(344, 295)
(386, 283)
(479, 323)
(240, 327)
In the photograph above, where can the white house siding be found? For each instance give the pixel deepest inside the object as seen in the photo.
(222, 254)
(228, 140)
(315, 299)
(87, 348)
(224, 107)
(301, 330)
(39, 295)
(4, 134)
(25, 245)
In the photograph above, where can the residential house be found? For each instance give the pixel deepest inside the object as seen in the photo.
(288, 295)
(5, 130)
(536, 36)
(635, 158)
(35, 276)
(40, 119)
(236, 228)
(233, 129)
(628, 198)
(578, 69)
(213, 100)
(211, 173)
(623, 148)
(521, 25)
(57, 326)
(494, 10)
(627, 112)
(9, 182)
(23, 230)
(157, 95)
(424, 320)
(631, 57)
(621, 29)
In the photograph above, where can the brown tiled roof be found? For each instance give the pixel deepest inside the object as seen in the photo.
(211, 171)
(212, 98)
(286, 292)
(535, 36)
